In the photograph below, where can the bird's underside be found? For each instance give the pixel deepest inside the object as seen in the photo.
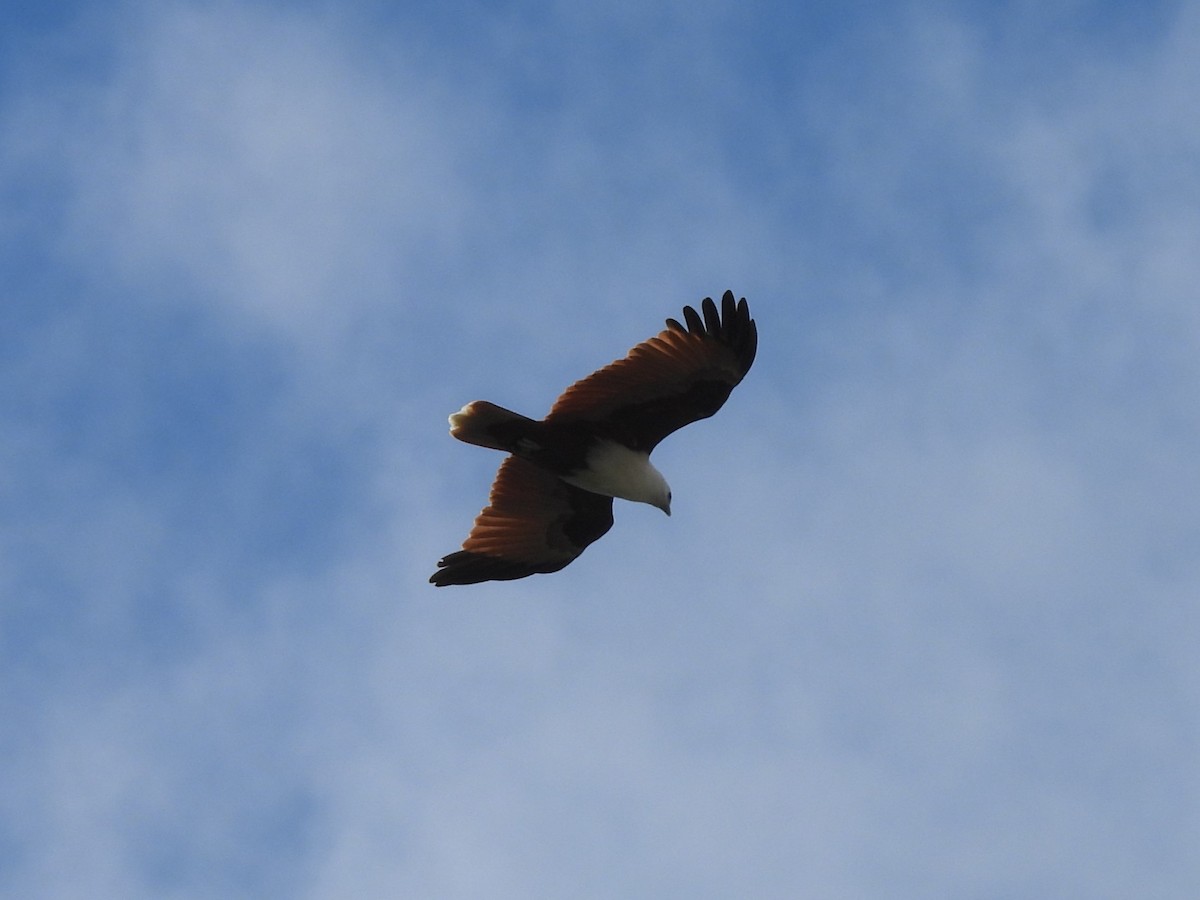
(553, 494)
(534, 523)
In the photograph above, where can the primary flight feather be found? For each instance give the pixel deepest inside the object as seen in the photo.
(553, 495)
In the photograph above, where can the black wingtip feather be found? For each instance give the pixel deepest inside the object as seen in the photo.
(712, 318)
(730, 310)
(465, 567)
(732, 325)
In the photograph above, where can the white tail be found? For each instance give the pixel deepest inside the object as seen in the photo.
(473, 423)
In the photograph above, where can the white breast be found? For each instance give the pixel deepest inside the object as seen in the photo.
(616, 471)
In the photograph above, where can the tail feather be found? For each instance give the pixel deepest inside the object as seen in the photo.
(487, 425)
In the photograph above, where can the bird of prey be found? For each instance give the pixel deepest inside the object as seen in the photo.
(553, 494)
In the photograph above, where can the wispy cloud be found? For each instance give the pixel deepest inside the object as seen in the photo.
(925, 626)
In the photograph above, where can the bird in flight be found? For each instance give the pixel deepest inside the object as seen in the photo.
(553, 494)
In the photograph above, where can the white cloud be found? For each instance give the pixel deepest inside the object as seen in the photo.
(918, 627)
(253, 159)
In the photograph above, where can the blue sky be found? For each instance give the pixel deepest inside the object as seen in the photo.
(924, 620)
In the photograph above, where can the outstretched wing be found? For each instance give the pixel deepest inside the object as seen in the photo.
(534, 522)
(680, 375)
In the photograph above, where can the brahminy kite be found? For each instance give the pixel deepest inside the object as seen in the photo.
(553, 495)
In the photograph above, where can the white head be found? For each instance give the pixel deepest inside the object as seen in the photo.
(617, 471)
(643, 483)
(657, 491)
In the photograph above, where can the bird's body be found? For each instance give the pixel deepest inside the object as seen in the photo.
(580, 453)
(553, 494)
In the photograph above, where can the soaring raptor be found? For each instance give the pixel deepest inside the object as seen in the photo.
(553, 494)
